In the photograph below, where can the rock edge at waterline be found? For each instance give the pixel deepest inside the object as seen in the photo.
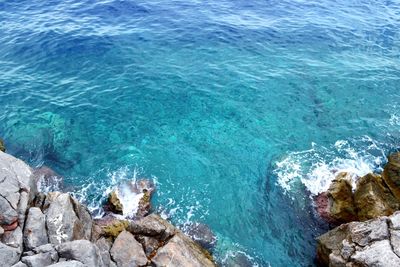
(54, 229)
(370, 233)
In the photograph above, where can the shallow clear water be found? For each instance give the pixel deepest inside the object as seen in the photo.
(238, 109)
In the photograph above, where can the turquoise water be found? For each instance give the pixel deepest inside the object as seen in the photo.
(239, 110)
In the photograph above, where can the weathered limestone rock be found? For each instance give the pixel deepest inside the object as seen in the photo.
(9, 255)
(369, 243)
(20, 264)
(182, 251)
(372, 198)
(66, 219)
(391, 174)
(363, 233)
(16, 191)
(377, 254)
(35, 229)
(38, 260)
(83, 251)
(13, 239)
(152, 225)
(126, 251)
(68, 264)
(341, 199)
(104, 246)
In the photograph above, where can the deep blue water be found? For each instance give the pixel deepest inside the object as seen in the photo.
(239, 109)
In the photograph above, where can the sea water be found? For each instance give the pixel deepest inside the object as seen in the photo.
(239, 110)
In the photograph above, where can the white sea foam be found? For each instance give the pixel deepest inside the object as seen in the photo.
(317, 167)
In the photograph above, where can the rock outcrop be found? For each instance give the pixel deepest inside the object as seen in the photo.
(391, 174)
(371, 233)
(373, 196)
(53, 229)
(371, 243)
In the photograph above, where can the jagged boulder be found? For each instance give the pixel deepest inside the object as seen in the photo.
(126, 251)
(66, 219)
(35, 233)
(83, 251)
(368, 243)
(391, 174)
(373, 198)
(180, 250)
(16, 192)
(341, 201)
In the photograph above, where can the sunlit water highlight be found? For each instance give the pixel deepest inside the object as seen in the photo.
(239, 110)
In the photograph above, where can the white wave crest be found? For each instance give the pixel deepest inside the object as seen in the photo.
(317, 167)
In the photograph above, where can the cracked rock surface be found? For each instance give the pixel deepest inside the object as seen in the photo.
(371, 243)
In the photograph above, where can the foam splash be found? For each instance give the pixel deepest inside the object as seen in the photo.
(94, 194)
(317, 167)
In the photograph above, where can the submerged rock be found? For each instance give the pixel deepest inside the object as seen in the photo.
(202, 234)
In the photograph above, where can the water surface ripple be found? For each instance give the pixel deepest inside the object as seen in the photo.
(238, 109)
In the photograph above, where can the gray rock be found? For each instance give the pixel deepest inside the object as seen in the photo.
(104, 246)
(16, 190)
(152, 225)
(68, 264)
(9, 255)
(83, 251)
(378, 254)
(62, 220)
(13, 239)
(8, 215)
(394, 220)
(363, 233)
(20, 264)
(47, 179)
(127, 252)
(35, 229)
(182, 251)
(395, 241)
(39, 260)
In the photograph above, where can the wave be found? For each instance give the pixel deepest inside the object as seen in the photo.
(317, 167)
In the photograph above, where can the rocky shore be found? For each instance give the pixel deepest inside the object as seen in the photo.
(53, 229)
(366, 216)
